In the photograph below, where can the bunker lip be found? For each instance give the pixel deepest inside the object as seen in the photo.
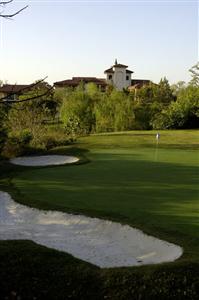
(44, 160)
(103, 243)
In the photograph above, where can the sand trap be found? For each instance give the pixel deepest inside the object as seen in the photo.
(102, 243)
(44, 160)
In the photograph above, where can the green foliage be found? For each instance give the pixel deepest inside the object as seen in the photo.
(86, 109)
(164, 93)
(76, 113)
(104, 114)
(123, 111)
(150, 100)
(177, 87)
(160, 93)
(27, 116)
(114, 112)
(184, 113)
(22, 125)
(195, 75)
(60, 95)
(142, 116)
(16, 143)
(48, 102)
(25, 137)
(3, 129)
(92, 90)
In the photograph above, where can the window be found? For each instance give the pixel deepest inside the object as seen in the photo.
(127, 77)
(109, 77)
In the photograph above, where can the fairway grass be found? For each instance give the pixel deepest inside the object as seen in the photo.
(131, 179)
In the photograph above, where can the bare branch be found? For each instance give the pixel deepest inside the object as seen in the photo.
(12, 15)
(5, 2)
(21, 90)
(9, 102)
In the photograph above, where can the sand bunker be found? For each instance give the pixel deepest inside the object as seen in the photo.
(44, 160)
(102, 243)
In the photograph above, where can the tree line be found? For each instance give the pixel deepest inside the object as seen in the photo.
(44, 118)
(87, 110)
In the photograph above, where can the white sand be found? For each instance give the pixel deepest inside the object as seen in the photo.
(102, 243)
(44, 160)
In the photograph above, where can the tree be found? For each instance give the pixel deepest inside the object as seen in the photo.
(24, 128)
(123, 110)
(27, 117)
(195, 75)
(114, 112)
(3, 131)
(183, 113)
(164, 93)
(75, 112)
(160, 93)
(177, 87)
(10, 15)
(43, 93)
(150, 101)
(22, 119)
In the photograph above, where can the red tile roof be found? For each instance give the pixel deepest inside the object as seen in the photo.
(13, 88)
(129, 71)
(110, 70)
(140, 81)
(120, 66)
(75, 81)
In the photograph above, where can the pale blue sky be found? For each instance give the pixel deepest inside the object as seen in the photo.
(62, 39)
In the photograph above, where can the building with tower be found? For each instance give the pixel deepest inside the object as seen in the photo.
(118, 76)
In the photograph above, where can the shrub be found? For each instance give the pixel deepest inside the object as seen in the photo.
(17, 144)
(25, 137)
(12, 148)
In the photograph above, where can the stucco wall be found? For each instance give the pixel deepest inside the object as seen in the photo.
(128, 82)
(109, 81)
(119, 78)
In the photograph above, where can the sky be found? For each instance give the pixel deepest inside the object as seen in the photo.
(62, 39)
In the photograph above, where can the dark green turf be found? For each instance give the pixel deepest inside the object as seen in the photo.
(154, 188)
(131, 179)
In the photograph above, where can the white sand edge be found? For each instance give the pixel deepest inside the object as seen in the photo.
(103, 243)
(44, 160)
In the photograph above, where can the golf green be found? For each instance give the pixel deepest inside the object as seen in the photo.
(129, 178)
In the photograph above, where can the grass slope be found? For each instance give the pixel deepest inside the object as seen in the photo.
(130, 179)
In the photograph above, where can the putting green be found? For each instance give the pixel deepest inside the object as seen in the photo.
(130, 179)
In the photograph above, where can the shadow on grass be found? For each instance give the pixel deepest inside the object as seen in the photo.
(159, 198)
(29, 271)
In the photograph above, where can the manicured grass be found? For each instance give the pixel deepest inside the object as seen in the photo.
(131, 179)
(152, 187)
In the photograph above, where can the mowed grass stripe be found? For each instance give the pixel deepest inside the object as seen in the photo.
(153, 187)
